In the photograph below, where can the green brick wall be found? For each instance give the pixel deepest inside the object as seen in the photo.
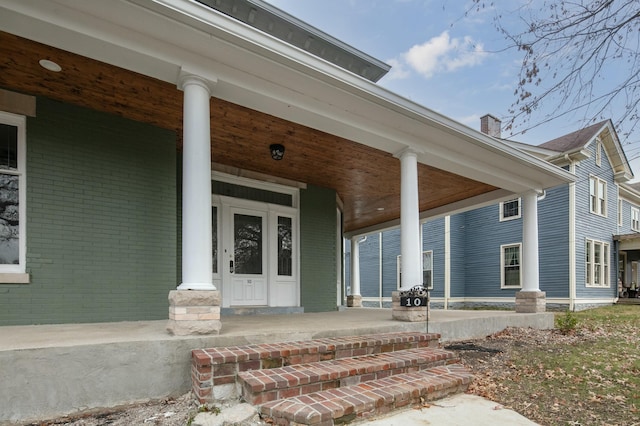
(318, 251)
(101, 220)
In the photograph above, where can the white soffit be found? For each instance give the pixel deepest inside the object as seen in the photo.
(255, 70)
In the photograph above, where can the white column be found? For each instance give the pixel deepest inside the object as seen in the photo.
(410, 249)
(355, 266)
(530, 269)
(197, 263)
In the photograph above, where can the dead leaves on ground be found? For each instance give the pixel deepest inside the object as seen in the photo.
(589, 377)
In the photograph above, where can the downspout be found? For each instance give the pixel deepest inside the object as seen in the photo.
(380, 269)
(572, 238)
(447, 261)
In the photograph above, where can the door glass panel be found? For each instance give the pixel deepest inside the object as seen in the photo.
(247, 244)
(284, 246)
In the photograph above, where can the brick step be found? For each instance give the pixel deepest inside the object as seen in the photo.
(214, 370)
(260, 386)
(346, 404)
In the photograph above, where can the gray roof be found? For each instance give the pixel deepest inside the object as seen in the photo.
(279, 24)
(575, 139)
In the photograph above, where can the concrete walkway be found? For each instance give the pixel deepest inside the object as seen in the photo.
(52, 370)
(456, 410)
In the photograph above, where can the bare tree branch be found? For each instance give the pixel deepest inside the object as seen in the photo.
(580, 56)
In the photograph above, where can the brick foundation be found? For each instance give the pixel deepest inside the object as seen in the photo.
(530, 302)
(403, 313)
(354, 301)
(194, 312)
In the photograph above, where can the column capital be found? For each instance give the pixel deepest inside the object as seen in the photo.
(407, 150)
(187, 77)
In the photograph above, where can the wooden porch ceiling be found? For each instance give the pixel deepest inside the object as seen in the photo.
(366, 179)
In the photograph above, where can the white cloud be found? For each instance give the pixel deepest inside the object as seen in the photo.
(443, 53)
(472, 121)
(398, 70)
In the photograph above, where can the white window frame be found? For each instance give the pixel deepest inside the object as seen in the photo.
(502, 265)
(516, 216)
(635, 219)
(428, 285)
(598, 196)
(399, 269)
(597, 274)
(620, 207)
(15, 274)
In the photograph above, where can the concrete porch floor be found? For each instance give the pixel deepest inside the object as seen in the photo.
(243, 329)
(52, 370)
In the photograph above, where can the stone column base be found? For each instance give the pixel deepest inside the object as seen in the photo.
(530, 302)
(194, 312)
(354, 301)
(408, 314)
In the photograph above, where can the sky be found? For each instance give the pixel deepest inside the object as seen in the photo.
(445, 55)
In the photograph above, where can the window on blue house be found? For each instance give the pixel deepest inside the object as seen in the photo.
(510, 209)
(427, 269)
(635, 219)
(619, 212)
(12, 195)
(597, 196)
(510, 263)
(597, 263)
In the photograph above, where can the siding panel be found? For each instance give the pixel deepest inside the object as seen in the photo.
(101, 219)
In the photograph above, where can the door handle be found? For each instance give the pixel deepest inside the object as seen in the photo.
(231, 266)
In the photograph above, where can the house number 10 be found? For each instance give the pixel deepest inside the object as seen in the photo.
(413, 301)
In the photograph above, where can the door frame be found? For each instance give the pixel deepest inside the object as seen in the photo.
(281, 290)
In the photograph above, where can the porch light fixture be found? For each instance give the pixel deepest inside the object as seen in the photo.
(50, 65)
(277, 151)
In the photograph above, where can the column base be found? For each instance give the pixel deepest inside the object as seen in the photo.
(354, 301)
(531, 302)
(408, 314)
(194, 312)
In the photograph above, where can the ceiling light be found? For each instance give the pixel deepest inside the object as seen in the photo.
(50, 65)
(277, 151)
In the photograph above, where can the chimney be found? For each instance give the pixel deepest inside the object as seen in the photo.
(490, 125)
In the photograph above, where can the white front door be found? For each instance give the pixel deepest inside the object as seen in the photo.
(247, 266)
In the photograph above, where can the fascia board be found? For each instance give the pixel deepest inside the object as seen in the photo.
(317, 94)
(629, 194)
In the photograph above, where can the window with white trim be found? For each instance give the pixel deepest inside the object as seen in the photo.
(510, 209)
(597, 196)
(510, 265)
(12, 194)
(635, 219)
(620, 211)
(427, 269)
(597, 263)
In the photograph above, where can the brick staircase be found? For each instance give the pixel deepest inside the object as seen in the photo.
(330, 381)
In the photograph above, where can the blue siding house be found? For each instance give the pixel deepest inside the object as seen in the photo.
(588, 236)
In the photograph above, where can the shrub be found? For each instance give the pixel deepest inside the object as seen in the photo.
(566, 323)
